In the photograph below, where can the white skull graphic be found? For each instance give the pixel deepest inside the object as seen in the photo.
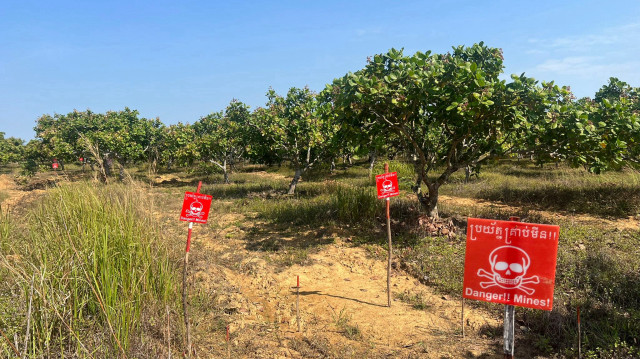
(387, 186)
(195, 209)
(509, 266)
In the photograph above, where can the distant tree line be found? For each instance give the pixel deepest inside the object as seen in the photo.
(445, 112)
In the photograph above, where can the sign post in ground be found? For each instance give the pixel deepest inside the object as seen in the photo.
(195, 208)
(387, 186)
(512, 263)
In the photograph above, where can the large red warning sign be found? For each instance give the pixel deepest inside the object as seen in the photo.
(387, 185)
(511, 262)
(195, 207)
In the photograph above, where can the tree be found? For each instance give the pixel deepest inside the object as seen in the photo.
(452, 108)
(220, 136)
(293, 128)
(11, 149)
(180, 145)
(119, 135)
(598, 134)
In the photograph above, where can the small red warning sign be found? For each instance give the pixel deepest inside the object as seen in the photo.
(195, 207)
(387, 185)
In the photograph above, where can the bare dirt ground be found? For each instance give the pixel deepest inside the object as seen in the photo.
(15, 196)
(342, 305)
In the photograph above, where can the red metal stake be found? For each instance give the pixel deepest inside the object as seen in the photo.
(228, 346)
(386, 170)
(185, 306)
(579, 336)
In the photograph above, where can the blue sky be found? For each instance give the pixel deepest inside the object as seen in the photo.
(180, 60)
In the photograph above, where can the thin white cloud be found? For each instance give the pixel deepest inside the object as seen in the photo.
(624, 35)
(590, 58)
(588, 66)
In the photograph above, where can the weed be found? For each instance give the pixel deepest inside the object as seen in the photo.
(342, 321)
(97, 261)
(292, 256)
(416, 300)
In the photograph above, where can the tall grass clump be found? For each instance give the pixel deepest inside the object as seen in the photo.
(323, 203)
(355, 204)
(94, 261)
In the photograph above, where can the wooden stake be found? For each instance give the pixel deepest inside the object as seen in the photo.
(228, 347)
(298, 302)
(168, 333)
(185, 306)
(386, 170)
(462, 317)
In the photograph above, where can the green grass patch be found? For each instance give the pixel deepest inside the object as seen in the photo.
(96, 261)
(614, 194)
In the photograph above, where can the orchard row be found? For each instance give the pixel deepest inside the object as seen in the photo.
(445, 112)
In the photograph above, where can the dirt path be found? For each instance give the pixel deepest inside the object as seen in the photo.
(15, 196)
(342, 304)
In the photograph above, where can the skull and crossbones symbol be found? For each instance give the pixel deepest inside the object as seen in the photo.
(387, 186)
(509, 266)
(195, 209)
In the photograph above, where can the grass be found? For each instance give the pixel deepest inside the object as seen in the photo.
(612, 194)
(416, 300)
(342, 321)
(96, 263)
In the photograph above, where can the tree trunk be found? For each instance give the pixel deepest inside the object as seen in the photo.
(418, 167)
(429, 202)
(372, 162)
(294, 181)
(61, 164)
(121, 174)
(225, 172)
(108, 162)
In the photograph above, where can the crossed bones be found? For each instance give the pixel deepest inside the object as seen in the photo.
(483, 273)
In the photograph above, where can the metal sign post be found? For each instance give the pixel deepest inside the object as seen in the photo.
(195, 208)
(387, 186)
(509, 322)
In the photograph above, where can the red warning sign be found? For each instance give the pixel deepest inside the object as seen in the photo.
(511, 262)
(387, 185)
(195, 207)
